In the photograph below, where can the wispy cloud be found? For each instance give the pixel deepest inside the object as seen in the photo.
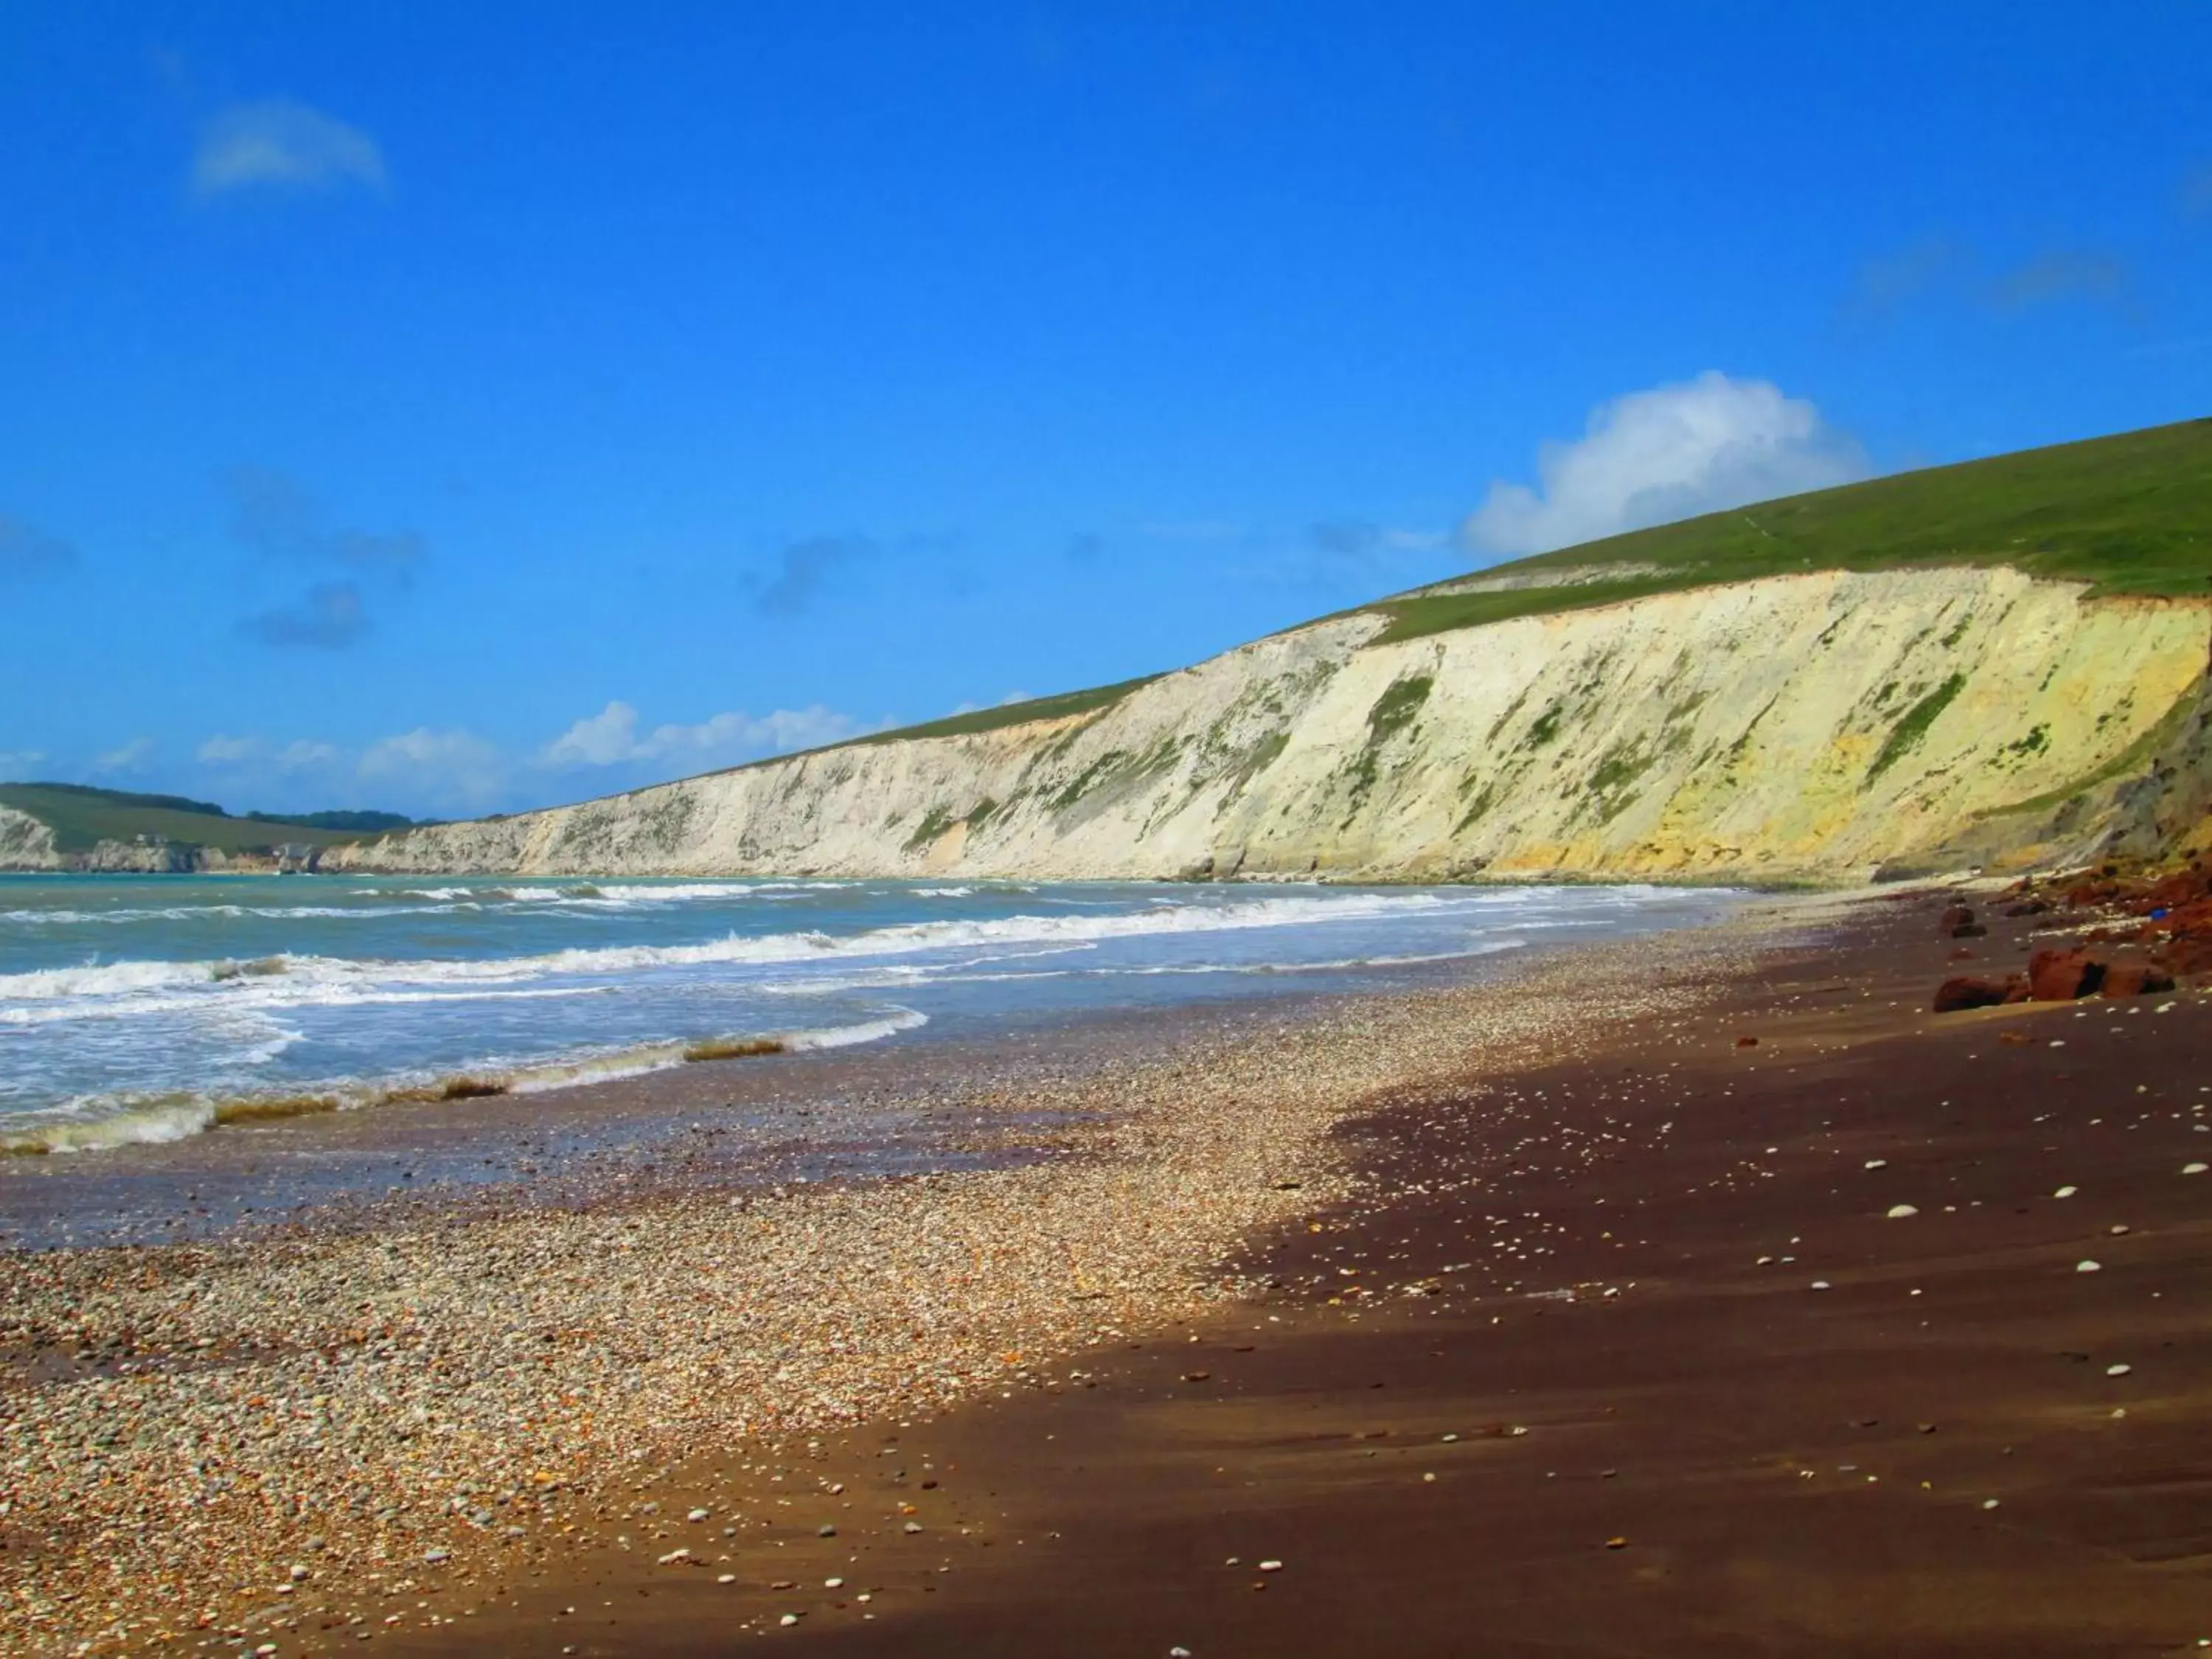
(1362, 543)
(273, 517)
(299, 754)
(1669, 452)
(280, 144)
(330, 618)
(2061, 274)
(271, 513)
(613, 737)
(1894, 280)
(1941, 267)
(14, 763)
(439, 770)
(805, 569)
(28, 550)
(128, 758)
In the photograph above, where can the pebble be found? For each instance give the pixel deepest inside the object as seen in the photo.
(2066, 1191)
(1899, 1212)
(726, 1579)
(2118, 1370)
(825, 1531)
(912, 1526)
(1822, 1284)
(1877, 1164)
(788, 1620)
(357, 1371)
(2195, 1169)
(2088, 1267)
(833, 1583)
(1271, 1567)
(696, 1515)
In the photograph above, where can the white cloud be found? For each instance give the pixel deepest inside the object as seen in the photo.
(440, 769)
(300, 753)
(220, 751)
(1669, 452)
(18, 760)
(303, 752)
(281, 144)
(130, 758)
(612, 737)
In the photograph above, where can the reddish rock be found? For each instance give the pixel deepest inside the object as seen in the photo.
(1955, 917)
(1968, 992)
(2063, 975)
(2134, 979)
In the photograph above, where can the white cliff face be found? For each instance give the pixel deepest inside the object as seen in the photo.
(25, 843)
(1801, 728)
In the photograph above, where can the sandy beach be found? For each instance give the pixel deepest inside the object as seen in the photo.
(1705, 1295)
(264, 1438)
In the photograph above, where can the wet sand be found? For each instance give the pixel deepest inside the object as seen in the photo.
(1622, 1352)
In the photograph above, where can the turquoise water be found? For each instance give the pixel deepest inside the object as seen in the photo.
(144, 1008)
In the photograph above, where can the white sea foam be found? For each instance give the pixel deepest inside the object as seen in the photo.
(307, 979)
(96, 1122)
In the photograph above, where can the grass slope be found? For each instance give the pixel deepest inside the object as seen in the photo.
(81, 818)
(2130, 513)
(1015, 713)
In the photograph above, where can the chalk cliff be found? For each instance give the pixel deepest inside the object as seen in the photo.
(1817, 726)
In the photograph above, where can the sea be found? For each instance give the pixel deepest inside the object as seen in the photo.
(137, 1009)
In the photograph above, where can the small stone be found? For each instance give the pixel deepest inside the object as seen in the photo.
(2066, 1191)
(2195, 1169)
(1616, 1543)
(2118, 1230)
(1822, 1284)
(913, 1526)
(434, 1557)
(1271, 1567)
(825, 1531)
(1988, 1502)
(2118, 1370)
(1877, 1164)
(833, 1583)
(675, 1556)
(1899, 1212)
(788, 1619)
(2088, 1267)
(696, 1515)
(726, 1579)
(298, 1572)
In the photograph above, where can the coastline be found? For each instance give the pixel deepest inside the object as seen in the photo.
(1791, 1317)
(1701, 1293)
(203, 1415)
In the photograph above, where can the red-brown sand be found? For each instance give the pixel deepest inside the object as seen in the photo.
(1628, 1356)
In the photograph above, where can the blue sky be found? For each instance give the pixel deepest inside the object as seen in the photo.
(458, 408)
